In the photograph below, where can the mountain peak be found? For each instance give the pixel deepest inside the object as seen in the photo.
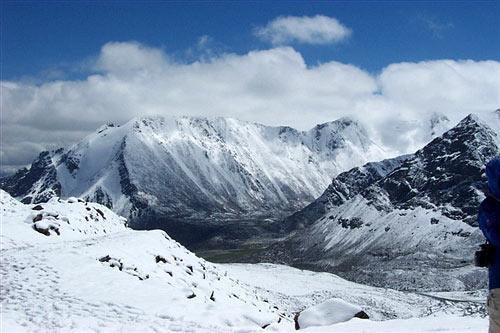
(471, 141)
(471, 118)
(338, 124)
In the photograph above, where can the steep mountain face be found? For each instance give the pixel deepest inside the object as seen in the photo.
(343, 187)
(398, 215)
(37, 184)
(158, 170)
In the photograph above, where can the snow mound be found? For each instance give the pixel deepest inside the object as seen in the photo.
(70, 219)
(444, 323)
(330, 312)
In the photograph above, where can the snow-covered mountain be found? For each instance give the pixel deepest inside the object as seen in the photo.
(163, 169)
(385, 220)
(69, 265)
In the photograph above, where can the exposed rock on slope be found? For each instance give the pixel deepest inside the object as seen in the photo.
(342, 188)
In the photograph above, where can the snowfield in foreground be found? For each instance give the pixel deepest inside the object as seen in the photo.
(68, 265)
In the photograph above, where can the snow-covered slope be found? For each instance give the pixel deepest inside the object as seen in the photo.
(297, 291)
(94, 274)
(163, 169)
(392, 218)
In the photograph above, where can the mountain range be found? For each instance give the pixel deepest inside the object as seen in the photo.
(408, 221)
(177, 173)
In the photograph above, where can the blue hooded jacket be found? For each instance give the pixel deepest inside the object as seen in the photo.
(489, 218)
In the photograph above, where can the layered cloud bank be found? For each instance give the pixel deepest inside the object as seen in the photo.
(274, 87)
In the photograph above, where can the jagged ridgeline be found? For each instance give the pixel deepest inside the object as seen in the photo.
(179, 174)
(398, 216)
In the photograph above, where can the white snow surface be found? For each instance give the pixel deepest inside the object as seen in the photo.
(413, 325)
(96, 275)
(389, 310)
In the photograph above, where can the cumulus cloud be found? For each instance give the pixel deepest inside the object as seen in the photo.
(273, 87)
(317, 29)
(130, 58)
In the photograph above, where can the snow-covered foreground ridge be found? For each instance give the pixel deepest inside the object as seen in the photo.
(183, 167)
(68, 265)
(94, 273)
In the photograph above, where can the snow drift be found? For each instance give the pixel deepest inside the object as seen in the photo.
(329, 312)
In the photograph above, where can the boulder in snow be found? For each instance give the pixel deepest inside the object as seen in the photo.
(330, 312)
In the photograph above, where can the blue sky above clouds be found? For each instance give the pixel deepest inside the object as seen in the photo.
(39, 36)
(67, 67)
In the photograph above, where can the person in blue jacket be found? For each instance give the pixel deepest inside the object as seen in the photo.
(489, 222)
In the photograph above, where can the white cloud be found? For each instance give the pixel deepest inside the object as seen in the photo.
(443, 84)
(318, 29)
(130, 57)
(273, 87)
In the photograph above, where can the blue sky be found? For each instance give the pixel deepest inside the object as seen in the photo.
(45, 36)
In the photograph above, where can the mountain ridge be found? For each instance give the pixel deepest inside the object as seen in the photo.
(155, 169)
